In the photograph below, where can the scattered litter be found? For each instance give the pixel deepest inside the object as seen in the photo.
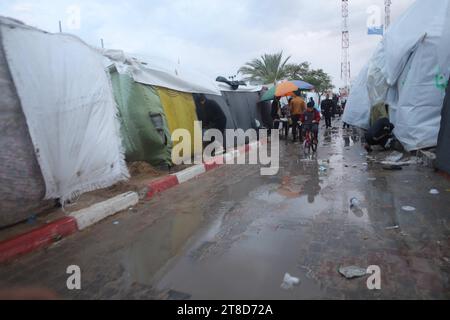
(289, 282)
(393, 228)
(322, 169)
(130, 209)
(446, 259)
(411, 161)
(392, 168)
(434, 191)
(354, 202)
(372, 179)
(408, 208)
(365, 164)
(352, 272)
(394, 157)
(115, 223)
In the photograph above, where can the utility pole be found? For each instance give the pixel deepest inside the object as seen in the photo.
(387, 15)
(60, 26)
(345, 63)
(103, 44)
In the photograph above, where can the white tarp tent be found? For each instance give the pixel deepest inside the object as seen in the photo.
(357, 109)
(409, 71)
(67, 99)
(150, 71)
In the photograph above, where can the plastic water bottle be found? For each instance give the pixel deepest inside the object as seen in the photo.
(354, 202)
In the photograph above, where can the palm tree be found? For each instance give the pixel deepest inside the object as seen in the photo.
(269, 68)
(298, 71)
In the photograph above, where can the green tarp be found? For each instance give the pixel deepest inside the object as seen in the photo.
(144, 129)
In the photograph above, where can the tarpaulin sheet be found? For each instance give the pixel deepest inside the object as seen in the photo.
(443, 147)
(152, 71)
(231, 123)
(244, 108)
(145, 134)
(181, 113)
(409, 70)
(357, 109)
(22, 187)
(67, 99)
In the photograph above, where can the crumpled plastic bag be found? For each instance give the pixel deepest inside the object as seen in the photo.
(289, 282)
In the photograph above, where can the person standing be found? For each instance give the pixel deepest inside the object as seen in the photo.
(311, 103)
(297, 108)
(335, 105)
(275, 113)
(211, 115)
(344, 103)
(327, 110)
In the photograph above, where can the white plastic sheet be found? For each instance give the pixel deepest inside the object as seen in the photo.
(357, 109)
(377, 85)
(153, 72)
(69, 106)
(249, 88)
(409, 70)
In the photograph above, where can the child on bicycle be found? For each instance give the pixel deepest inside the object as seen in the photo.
(310, 120)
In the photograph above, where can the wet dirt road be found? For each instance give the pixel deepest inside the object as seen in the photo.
(233, 234)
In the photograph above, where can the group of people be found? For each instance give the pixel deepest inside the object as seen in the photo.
(305, 113)
(380, 133)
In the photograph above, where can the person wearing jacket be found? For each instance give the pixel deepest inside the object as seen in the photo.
(211, 115)
(310, 121)
(327, 110)
(297, 107)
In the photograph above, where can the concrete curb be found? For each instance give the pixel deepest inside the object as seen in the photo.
(175, 179)
(82, 219)
(99, 211)
(37, 239)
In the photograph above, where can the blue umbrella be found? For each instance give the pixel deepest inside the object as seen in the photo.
(302, 85)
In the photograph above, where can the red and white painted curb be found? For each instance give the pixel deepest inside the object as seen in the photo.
(175, 179)
(77, 221)
(37, 239)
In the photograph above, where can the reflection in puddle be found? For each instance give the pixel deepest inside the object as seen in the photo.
(158, 244)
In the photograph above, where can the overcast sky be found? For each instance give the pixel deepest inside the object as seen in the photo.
(215, 37)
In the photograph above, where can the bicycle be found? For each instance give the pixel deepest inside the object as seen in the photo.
(310, 143)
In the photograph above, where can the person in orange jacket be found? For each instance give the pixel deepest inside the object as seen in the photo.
(297, 107)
